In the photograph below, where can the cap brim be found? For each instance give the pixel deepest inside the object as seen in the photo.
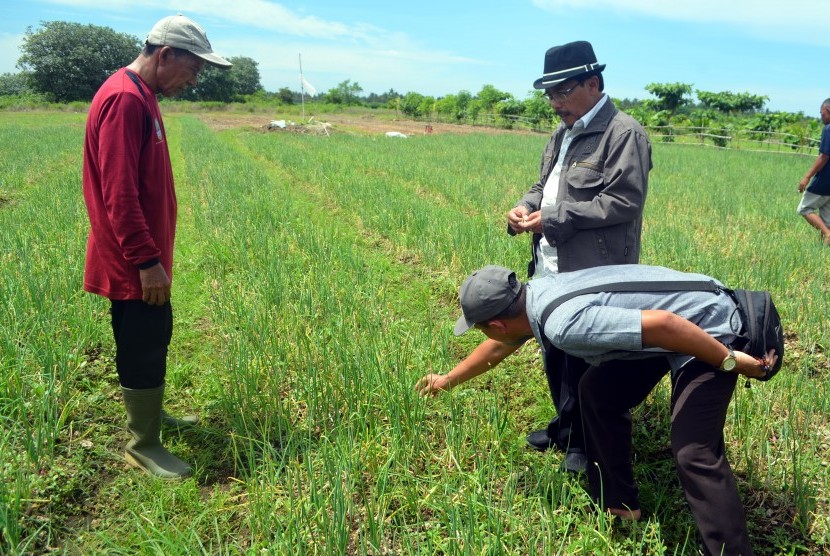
(214, 60)
(462, 325)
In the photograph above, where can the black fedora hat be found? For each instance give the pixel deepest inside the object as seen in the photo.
(566, 62)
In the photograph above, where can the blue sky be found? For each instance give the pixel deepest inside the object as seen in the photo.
(774, 48)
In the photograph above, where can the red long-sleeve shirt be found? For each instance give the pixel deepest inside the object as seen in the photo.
(128, 188)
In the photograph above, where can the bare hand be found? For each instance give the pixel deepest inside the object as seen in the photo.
(155, 285)
(802, 185)
(753, 367)
(431, 384)
(516, 217)
(533, 222)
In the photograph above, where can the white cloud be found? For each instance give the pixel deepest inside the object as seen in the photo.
(361, 47)
(256, 14)
(376, 70)
(270, 16)
(795, 19)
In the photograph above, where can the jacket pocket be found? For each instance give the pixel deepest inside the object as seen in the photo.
(585, 180)
(588, 164)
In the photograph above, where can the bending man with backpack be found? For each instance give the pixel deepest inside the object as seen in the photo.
(632, 328)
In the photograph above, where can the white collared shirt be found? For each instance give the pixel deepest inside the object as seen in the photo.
(547, 258)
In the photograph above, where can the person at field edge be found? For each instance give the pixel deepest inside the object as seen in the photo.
(131, 202)
(815, 185)
(585, 211)
(631, 340)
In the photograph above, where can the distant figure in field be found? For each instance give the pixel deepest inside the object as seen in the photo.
(131, 201)
(586, 210)
(815, 201)
(631, 339)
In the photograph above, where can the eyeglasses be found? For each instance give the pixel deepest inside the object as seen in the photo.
(561, 94)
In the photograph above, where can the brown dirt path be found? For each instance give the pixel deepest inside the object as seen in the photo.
(360, 123)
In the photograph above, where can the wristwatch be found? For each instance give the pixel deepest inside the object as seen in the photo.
(729, 362)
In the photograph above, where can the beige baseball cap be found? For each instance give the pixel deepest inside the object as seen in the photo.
(179, 31)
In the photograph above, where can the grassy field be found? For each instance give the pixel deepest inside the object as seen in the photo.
(316, 280)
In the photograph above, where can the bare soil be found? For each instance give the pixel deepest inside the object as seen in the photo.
(349, 123)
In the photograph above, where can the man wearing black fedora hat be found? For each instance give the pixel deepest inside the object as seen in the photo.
(585, 210)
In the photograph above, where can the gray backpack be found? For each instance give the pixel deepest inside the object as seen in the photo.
(761, 331)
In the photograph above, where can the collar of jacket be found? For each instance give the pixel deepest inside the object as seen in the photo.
(598, 124)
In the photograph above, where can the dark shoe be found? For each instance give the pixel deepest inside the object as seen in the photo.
(575, 462)
(539, 440)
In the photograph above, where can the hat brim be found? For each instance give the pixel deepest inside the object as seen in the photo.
(462, 325)
(548, 82)
(213, 59)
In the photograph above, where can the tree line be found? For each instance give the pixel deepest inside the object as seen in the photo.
(66, 62)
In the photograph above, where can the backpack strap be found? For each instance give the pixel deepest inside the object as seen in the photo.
(655, 286)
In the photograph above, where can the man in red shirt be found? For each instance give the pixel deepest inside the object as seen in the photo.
(131, 202)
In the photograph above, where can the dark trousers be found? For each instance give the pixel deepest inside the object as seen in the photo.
(700, 397)
(142, 333)
(564, 372)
